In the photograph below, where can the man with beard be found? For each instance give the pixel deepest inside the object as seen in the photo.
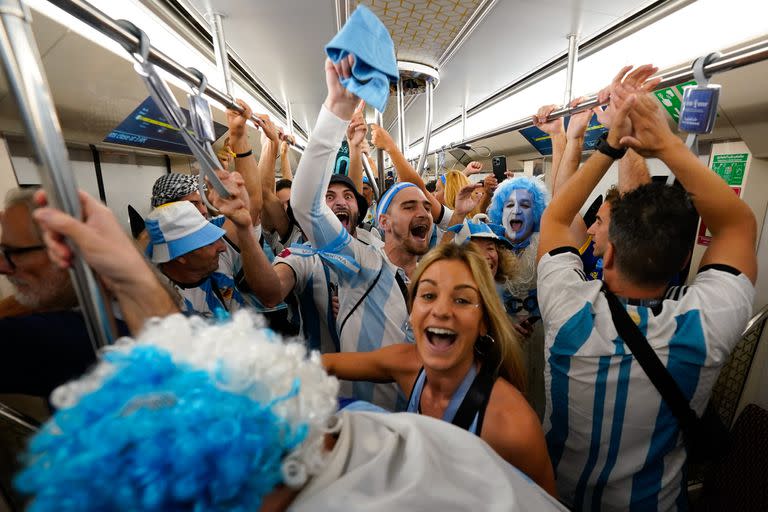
(372, 283)
(48, 343)
(39, 285)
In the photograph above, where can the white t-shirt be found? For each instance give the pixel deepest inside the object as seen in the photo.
(407, 462)
(372, 306)
(614, 443)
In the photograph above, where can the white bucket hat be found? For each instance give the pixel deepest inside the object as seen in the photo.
(176, 229)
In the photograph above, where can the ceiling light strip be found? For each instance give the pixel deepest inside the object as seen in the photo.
(750, 54)
(469, 27)
(184, 18)
(106, 25)
(622, 29)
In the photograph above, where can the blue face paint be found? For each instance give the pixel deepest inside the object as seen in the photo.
(517, 215)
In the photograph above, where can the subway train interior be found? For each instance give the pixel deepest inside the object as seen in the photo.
(472, 75)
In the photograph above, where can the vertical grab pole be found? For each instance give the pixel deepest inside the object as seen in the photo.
(573, 57)
(380, 154)
(401, 116)
(463, 122)
(371, 179)
(220, 50)
(289, 117)
(430, 87)
(30, 89)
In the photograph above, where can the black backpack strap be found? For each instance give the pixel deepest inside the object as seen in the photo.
(476, 400)
(652, 366)
(401, 284)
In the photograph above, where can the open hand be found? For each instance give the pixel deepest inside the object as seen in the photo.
(466, 200)
(340, 101)
(651, 135)
(357, 128)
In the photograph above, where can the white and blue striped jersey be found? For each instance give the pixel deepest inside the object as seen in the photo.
(312, 293)
(372, 304)
(217, 293)
(614, 444)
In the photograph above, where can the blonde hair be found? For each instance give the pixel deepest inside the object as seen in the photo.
(454, 182)
(506, 347)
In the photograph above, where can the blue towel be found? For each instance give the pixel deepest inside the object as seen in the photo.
(366, 37)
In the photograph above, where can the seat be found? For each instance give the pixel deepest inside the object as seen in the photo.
(740, 481)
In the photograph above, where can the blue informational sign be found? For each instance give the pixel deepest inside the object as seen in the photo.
(543, 142)
(342, 159)
(699, 109)
(147, 128)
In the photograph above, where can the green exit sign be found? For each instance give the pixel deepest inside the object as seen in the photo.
(671, 99)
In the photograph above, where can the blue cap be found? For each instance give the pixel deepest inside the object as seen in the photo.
(469, 230)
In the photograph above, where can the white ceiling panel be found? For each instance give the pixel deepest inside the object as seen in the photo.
(515, 38)
(282, 43)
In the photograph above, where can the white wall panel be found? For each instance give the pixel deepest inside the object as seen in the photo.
(128, 180)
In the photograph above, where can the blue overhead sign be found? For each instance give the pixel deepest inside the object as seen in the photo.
(542, 142)
(148, 128)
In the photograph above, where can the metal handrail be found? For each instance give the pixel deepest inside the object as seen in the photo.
(27, 81)
(108, 26)
(28, 423)
(759, 317)
(750, 54)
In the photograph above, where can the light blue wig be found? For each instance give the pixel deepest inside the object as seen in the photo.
(539, 195)
(149, 429)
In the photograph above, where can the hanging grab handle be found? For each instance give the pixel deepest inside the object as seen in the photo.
(167, 104)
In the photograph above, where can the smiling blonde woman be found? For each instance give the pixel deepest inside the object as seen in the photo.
(466, 365)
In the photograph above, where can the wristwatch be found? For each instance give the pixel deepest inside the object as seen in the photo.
(244, 155)
(607, 149)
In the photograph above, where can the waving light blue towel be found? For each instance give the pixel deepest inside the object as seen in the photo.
(366, 37)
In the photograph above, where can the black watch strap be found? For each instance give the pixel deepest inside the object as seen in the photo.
(608, 150)
(244, 155)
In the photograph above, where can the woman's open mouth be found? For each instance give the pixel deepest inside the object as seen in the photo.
(440, 339)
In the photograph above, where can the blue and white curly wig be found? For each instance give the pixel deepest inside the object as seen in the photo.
(539, 195)
(189, 416)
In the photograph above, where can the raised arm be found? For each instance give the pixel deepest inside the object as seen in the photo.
(387, 364)
(633, 171)
(355, 136)
(731, 221)
(285, 160)
(556, 130)
(108, 250)
(246, 166)
(274, 217)
(569, 162)
(405, 171)
(558, 216)
(472, 168)
(574, 144)
(237, 210)
(316, 166)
